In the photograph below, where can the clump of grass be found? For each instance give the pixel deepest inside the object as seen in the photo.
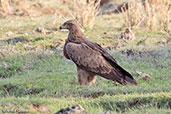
(10, 7)
(6, 6)
(134, 15)
(158, 13)
(151, 14)
(10, 66)
(85, 12)
(119, 103)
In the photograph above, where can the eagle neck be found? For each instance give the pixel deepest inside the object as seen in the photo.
(75, 35)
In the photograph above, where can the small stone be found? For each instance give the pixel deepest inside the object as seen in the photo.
(42, 30)
(9, 33)
(49, 71)
(109, 112)
(127, 35)
(138, 72)
(26, 34)
(76, 109)
(145, 76)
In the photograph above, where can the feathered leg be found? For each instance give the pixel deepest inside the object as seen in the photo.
(91, 79)
(84, 77)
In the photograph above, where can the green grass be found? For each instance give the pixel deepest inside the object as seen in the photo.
(35, 73)
(119, 103)
(50, 76)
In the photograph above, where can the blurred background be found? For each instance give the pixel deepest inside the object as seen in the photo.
(35, 76)
(113, 19)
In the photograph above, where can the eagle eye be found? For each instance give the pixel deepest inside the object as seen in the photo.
(69, 24)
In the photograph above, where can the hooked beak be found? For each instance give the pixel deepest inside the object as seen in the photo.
(61, 27)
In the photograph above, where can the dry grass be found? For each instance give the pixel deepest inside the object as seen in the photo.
(85, 12)
(134, 15)
(6, 6)
(151, 14)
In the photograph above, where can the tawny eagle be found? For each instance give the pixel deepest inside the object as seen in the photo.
(91, 59)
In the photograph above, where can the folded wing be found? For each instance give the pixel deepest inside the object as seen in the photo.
(93, 58)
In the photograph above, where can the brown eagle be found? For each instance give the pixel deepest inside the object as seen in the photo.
(91, 59)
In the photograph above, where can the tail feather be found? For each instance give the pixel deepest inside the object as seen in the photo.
(119, 74)
(125, 76)
(132, 81)
(121, 77)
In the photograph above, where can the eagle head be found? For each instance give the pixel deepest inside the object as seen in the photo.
(70, 25)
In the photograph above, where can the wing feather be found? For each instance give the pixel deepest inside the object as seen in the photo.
(87, 58)
(96, 60)
(117, 69)
(64, 49)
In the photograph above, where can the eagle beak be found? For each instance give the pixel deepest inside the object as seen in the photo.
(61, 27)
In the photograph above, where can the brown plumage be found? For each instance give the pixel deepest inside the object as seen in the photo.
(91, 59)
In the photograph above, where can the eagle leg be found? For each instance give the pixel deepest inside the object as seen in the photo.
(91, 79)
(85, 78)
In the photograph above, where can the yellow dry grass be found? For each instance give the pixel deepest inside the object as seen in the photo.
(151, 14)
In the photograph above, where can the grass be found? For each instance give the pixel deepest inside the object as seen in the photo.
(35, 74)
(116, 103)
(30, 85)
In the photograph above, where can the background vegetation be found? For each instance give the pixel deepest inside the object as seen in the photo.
(35, 76)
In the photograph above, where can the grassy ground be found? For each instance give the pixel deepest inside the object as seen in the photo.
(34, 75)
